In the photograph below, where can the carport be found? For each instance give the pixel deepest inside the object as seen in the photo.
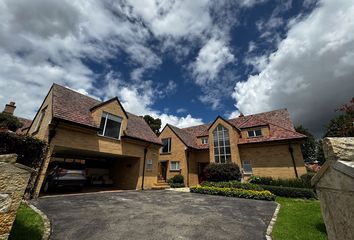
(104, 171)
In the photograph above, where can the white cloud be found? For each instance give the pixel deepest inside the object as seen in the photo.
(212, 58)
(138, 99)
(181, 110)
(312, 71)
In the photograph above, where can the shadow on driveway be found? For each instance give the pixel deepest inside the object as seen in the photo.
(155, 215)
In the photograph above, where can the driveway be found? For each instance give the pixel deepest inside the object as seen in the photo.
(155, 215)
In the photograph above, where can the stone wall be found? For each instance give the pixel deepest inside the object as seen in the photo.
(13, 182)
(334, 185)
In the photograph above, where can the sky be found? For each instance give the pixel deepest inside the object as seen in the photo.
(185, 62)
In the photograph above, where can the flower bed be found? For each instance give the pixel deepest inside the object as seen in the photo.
(233, 184)
(234, 192)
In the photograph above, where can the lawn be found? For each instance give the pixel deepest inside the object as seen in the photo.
(28, 225)
(299, 219)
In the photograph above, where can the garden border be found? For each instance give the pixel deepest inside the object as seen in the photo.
(47, 228)
(272, 222)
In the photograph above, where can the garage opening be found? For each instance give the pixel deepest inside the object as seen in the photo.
(73, 174)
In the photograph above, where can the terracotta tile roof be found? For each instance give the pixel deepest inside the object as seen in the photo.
(74, 107)
(279, 122)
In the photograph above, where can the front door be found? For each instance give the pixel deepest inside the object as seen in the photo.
(201, 167)
(163, 170)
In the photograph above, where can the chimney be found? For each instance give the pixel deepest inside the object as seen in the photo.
(9, 108)
(241, 115)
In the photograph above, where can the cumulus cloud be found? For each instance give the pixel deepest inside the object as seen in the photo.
(312, 70)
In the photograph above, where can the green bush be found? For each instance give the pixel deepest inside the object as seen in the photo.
(303, 182)
(10, 122)
(290, 192)
(234, 192)
(222, 172)
(233, 184)
(306, 178)
(176, 185)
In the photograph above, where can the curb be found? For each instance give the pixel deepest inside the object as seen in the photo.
(272, 222)
(46, 222)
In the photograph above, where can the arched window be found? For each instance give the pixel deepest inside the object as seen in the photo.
(222, 151)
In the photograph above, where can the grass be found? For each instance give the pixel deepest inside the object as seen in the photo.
(28, 225)
(299, 219)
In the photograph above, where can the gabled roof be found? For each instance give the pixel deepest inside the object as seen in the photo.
(279, 122)
(75, 107)
(26, 123)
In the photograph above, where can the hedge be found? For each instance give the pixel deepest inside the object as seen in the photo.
(222, 172)
(234, 192)
(233, 184)
(303, 182)
(290, 192)
(176, 185)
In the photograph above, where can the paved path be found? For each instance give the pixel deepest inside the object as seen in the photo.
(155, 215)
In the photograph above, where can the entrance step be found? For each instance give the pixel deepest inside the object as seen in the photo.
(160, 185)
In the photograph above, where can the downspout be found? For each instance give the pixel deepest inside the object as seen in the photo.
(187, 155)
(143, 177)
(291, 151)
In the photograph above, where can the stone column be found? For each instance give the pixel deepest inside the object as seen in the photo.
(13, 182)
(334, 185)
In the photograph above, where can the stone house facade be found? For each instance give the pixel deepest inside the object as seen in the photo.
(264, 144)
(81, 129)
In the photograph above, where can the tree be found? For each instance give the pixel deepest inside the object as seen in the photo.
(309, 147)
(154, 123)
(342, 125)
(9, 122)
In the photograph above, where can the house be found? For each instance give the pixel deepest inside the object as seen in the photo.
(264, 144)
(102, 135)
(10, 110)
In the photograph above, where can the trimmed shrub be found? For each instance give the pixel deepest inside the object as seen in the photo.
(290, 192)
(306, 178)
(233, 184)
(296, 183)
(176, 181)
(176, 185)
(234, 192)
(222, 172)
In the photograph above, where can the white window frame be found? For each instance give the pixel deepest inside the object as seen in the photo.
(205, 140)
(149, 165)
(105, 124)
(254, 133)
(40, 120)
(247, 163)
(216, 134)
(177, 165)
(168, 145)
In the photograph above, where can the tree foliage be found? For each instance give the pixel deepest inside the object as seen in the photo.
(309, 147)
(154, 123)
(9, 122)
(342, 125)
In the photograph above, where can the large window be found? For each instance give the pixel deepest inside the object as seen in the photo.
(254, 133)
(166, 148)
(222, 151)
(110, 126)
(40, 120)
(174, 166)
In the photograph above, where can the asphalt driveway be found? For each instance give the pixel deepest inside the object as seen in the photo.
(155, 215)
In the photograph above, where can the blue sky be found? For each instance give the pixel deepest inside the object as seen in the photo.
(182, 61)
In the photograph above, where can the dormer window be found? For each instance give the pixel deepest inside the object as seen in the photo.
(110, 126)
(254, 133)
(204, 140)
